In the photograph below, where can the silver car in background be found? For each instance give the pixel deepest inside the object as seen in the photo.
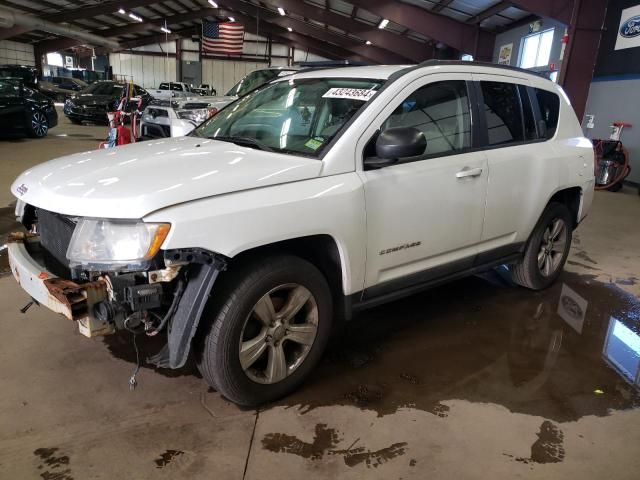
(179, 116)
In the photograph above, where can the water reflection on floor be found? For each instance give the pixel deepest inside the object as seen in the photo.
(563, 353)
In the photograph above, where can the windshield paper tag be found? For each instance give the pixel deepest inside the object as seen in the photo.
(350, 93)
(314, 143)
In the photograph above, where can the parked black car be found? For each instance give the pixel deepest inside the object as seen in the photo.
(28, 74)
(24, 110)
(61, 88)
(93, 103)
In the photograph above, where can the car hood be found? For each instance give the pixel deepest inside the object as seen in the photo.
(134, 180)
(89, 99)
(218, 102)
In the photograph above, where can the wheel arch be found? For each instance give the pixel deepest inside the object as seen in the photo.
(571, 197)
(321, 250)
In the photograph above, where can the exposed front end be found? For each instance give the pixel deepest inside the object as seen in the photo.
(111, 275)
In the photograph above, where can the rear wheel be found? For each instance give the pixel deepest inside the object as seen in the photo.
(268, 330)
(38, 125)
(547, 249)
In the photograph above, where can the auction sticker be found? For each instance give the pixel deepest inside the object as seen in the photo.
(350, 93)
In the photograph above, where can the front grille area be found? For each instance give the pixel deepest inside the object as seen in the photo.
(55, 235)
(157, 112)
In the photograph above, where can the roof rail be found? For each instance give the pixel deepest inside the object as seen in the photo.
(433, 62)
(332, 64)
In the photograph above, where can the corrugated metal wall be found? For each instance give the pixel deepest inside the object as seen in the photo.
(224, 74)
(146, 70)
(150, 70)
(16, 53)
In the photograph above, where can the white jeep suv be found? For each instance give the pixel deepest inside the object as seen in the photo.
(313, 197)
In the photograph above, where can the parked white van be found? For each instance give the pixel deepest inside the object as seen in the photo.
(315, 196)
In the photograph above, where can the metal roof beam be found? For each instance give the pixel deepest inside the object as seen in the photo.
(373, 53)
(442, 4)
(465, 38)
(490, 12)
(560, 10)
(74, 14)
(411, 49)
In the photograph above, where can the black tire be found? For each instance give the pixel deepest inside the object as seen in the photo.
(218, 349)
(38, 125)
(527, 272)
(75, 121)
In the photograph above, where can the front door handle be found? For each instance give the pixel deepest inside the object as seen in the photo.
(469, 172)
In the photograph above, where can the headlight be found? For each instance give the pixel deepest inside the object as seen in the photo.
(115, 245)
(197, 116)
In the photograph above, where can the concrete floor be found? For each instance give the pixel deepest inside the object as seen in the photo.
(477, 379)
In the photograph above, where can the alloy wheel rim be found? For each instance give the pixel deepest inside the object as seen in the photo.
(39, 124)
(278, 334)
(552, 247)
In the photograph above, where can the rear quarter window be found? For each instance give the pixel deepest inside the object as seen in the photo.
(549, 104)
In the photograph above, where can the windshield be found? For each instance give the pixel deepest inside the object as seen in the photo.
(10, 87)
(297, 116)
(252, 81)
(104, 88)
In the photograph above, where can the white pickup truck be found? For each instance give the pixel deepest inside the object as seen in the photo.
(319, 195)
(176, 117)
(168, 90)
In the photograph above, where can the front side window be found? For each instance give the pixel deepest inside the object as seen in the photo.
(536, 49)
(502, 112)
(440, 111)
(299, 116)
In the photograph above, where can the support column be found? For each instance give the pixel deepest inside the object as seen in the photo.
(178, 60)
(585, 30)
(37, 54)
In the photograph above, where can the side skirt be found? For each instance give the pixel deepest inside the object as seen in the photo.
(418, 282)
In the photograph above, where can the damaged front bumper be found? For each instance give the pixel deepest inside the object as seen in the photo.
(99, 306)
(74, 301)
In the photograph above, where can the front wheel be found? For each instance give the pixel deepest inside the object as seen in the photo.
(268, 330)
(547, 249)
(38, 125)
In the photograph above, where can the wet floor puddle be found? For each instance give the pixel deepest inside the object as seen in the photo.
(569, 351)
(563, 353)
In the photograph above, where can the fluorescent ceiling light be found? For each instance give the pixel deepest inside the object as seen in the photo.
(165, 29)
(121, 11)
(213, 4)
(368, 42)
(383, 23)
(231, 19)
(281, 11)
(135, 17)
(290, 29)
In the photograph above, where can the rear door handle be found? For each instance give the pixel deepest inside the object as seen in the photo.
(469, 172)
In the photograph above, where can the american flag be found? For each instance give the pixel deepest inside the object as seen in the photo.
(222, 38)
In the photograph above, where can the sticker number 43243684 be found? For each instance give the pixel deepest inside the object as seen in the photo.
(350, 93)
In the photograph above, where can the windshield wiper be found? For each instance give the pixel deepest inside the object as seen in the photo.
(245, 142)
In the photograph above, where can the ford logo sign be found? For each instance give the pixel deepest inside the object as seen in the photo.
(631, 27)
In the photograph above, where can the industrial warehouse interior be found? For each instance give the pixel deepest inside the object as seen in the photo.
(285, 239)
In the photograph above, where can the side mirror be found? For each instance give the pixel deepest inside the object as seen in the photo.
(396, 143)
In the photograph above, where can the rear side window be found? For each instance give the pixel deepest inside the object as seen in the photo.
(502, 111)
(440, 111)
(527, 115)
(549, 104)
